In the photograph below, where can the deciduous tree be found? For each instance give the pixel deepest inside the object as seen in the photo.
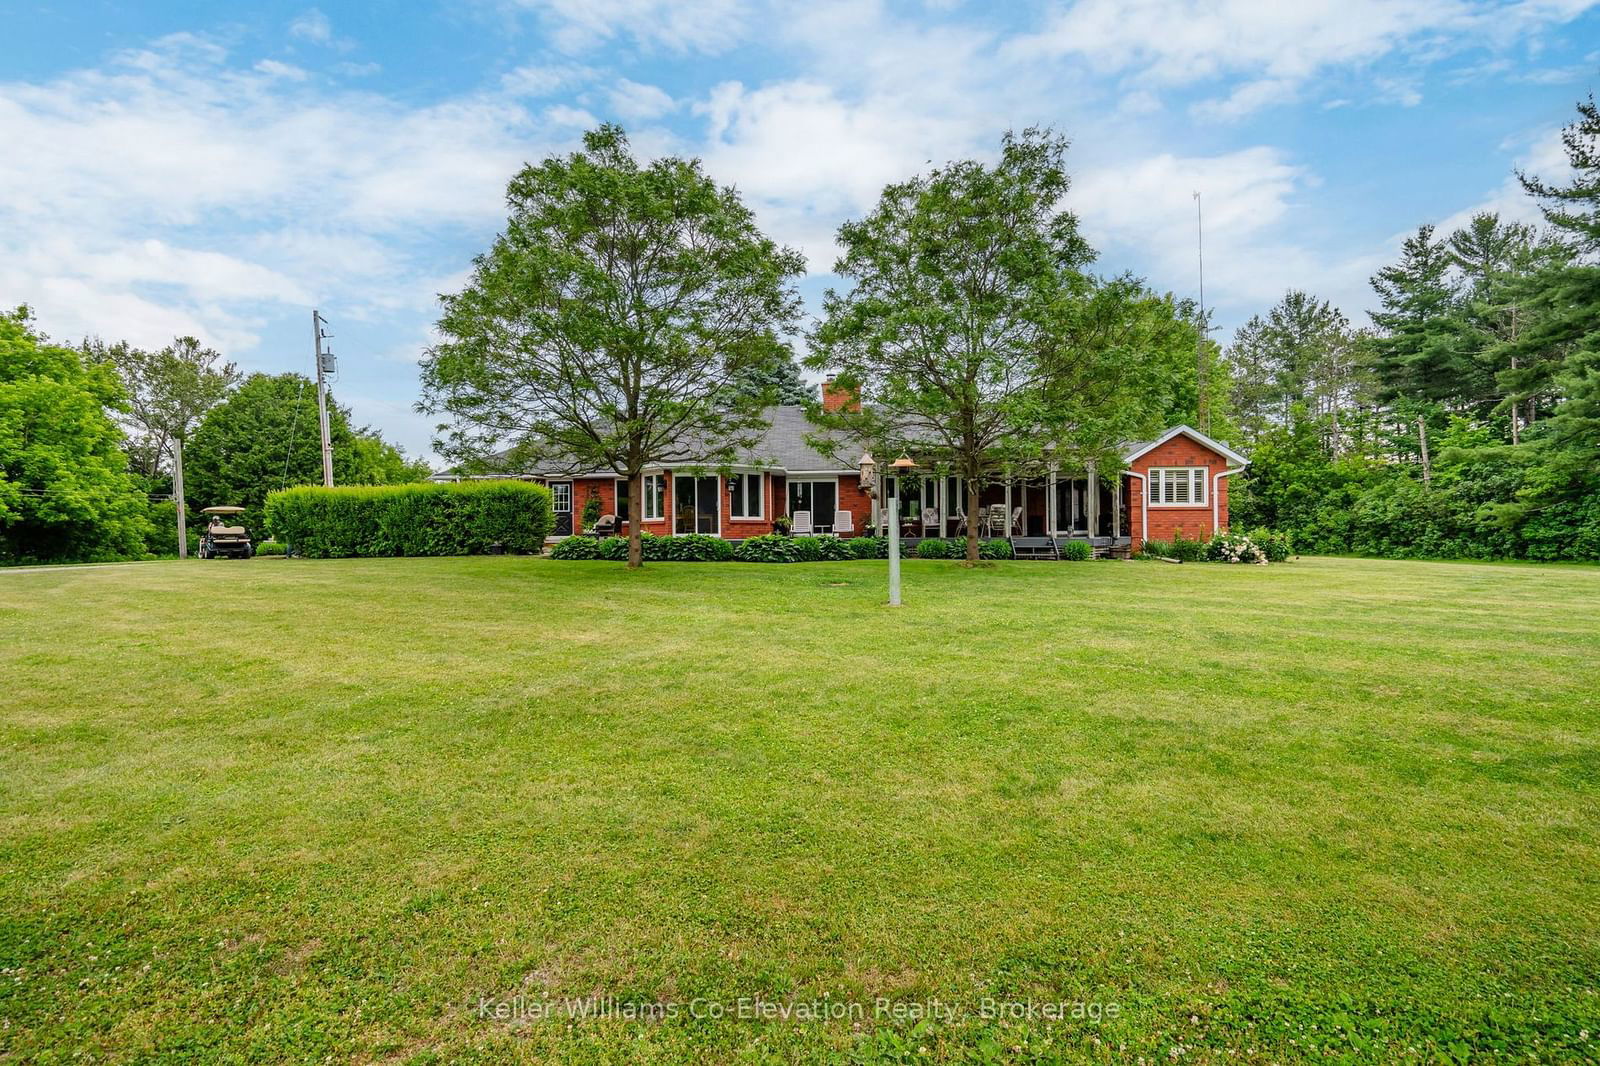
(612, 323)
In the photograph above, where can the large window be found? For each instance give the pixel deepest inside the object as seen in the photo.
(655, 497)
(1178, 486)
(561, 497)
(744, 491)
(622, 499)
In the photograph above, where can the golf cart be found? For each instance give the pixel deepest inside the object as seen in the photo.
(220, 540)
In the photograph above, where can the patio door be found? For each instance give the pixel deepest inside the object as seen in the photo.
(696, 507)
(821, 498)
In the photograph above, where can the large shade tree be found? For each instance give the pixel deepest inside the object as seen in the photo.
(974, 335)
(169, 392)
(65, 491)
(615, 324)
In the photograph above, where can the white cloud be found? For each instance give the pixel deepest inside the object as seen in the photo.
(312, 26)
(170, 192)
(631, 100)
(1277, 47)
(274, 69)
(705, 26)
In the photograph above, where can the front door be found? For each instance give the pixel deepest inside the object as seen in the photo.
(696, 506)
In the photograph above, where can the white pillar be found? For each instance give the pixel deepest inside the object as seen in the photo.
(1007, 526)
(1050, 503)
(1092, 501)
(1116, 508)
(944, 504)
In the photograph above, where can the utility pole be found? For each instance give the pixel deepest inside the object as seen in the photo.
(1202, 401)
(323, 362)
(177, 497)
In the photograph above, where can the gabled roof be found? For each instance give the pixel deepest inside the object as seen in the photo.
(1133, 451)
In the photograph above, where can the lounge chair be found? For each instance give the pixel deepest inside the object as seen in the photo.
(844, 523)
(800, 524)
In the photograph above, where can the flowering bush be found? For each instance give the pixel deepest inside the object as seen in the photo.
(1235, 548)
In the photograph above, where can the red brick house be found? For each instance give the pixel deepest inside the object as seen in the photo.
(1175, 483)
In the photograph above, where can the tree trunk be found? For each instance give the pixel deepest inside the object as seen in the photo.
(635, 520)
(177, 497)
(1422, 437)
(972, 520)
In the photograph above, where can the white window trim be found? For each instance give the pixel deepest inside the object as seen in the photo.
(760, 495)
(555, 497)
(650, 496)
(1161, 476)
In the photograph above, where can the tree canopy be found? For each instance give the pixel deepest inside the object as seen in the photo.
(975, 336)
(65, 491)
(264, 436)
(615, 324)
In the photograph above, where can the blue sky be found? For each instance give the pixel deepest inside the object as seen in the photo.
(185, 167)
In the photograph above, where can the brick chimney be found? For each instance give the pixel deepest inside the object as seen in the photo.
(837, 398)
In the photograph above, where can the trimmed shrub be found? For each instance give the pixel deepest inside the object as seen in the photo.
(1077, 551)
(461, 518)
(832, 549)
(933, 548)
(691, 548)
(1277, 546)
(271, 547)
(995, 549)
(771, 548)
(868, 547)
(1234, 548)
(576, 548)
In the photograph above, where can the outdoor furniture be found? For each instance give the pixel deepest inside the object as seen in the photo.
(1017, 525)
(930, 520)
(843, 522)
(801, 524)
(996, 520)
(604, 526)
(961, 524)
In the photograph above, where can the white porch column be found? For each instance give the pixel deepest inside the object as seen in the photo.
(1092, 500)
(1008, 507)
(1116, 508)
(1050, 503)
(944, 504)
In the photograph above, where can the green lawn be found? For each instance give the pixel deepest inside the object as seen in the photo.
(299, 810)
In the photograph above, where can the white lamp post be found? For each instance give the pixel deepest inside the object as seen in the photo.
(901, 467)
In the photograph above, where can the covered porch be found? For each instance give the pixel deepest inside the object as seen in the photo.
(1059, 507)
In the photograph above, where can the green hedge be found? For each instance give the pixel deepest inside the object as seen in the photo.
(462, 518)
(694, 548)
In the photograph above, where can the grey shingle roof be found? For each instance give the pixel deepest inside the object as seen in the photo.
(784, 446)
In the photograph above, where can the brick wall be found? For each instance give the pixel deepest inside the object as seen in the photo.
(1166, 521)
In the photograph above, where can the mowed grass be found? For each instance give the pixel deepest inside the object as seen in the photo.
(1333, 810)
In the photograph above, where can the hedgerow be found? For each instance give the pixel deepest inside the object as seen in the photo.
(460, 518)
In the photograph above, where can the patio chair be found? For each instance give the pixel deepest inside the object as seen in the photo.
(800, 524)
(844, 523)
(996, 520)
(961, 524)
(930, 520)
(1018, 527)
